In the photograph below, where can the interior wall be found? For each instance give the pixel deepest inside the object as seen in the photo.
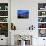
(23, 24)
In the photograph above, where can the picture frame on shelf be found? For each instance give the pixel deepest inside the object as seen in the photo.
(41, 19)
(3, 6)
(41, 6)
(42, 32)
(41, 25)
(41, 13)
(3, 19)
(3, 13)
(4, 29)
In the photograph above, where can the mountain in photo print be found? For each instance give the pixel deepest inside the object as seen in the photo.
(23, 13)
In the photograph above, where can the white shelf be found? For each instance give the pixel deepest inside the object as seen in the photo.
(42, 16)
(41, 22)
(3, 10)
(41, 10)
(3, 22)
(41, 28)
(3, 16)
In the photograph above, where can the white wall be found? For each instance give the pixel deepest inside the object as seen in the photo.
(23, 24)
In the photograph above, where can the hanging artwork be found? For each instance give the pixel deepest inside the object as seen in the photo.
(22, 14)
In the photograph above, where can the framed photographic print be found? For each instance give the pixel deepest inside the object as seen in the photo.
(21, 14)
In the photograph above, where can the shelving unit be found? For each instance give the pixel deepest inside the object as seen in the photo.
(41, 10)
(4, 19)
(41, 16)
(3, 10)
(42, 19)
(3, 16)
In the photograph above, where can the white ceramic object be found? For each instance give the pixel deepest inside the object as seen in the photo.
(0, 7)
(22, 43)
(42, 8)
(6, 7)
(45, 6)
